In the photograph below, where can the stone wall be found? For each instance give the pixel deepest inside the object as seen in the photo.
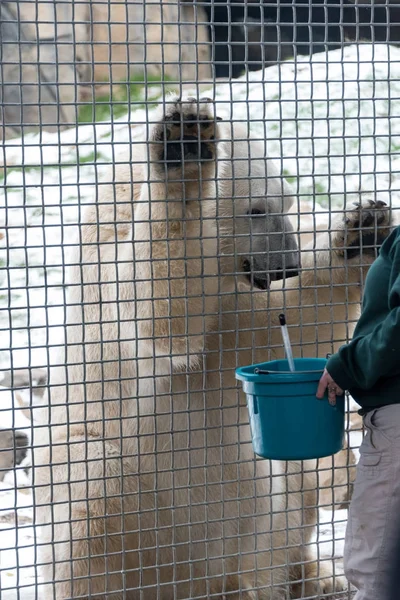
(29, 96)
(161, 37)
(53, 52)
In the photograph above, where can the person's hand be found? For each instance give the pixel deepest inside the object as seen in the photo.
(334, 390)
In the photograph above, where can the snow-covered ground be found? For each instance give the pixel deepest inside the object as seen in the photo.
(333, 122)
(334, 126)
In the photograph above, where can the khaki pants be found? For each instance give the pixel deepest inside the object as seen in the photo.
(373, 527)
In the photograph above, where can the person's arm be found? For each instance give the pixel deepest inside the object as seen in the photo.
(366, 359)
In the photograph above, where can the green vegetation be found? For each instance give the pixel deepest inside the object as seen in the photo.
(84, 159)
(116, 104)
(89, 159)
(20, 169)
(290, 178)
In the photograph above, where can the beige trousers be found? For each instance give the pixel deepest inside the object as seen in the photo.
(374, 517)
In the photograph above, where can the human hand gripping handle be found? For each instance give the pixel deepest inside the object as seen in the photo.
(334, 390)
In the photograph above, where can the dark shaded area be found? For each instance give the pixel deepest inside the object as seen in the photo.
(394, 577)
(13, 449)
(253, 35)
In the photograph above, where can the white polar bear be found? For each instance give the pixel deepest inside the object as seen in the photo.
(148, 487)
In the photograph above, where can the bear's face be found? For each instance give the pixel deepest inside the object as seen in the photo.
(253, 201)
(265, 245)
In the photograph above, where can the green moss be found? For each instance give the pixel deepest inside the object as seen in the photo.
(394, 148)
(37, 212)
(89, 159)
(114, 105)
(319, 188)
(289, 177)
(27, 169)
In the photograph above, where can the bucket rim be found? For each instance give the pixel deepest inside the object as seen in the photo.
(258, 371)
(265, 372)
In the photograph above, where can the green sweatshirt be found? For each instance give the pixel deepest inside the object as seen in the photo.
(369, 366)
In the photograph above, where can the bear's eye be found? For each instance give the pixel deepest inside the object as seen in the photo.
(255, 211)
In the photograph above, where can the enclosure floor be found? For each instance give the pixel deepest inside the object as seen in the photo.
(17, 543)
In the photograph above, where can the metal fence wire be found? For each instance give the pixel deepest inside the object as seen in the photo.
(174, 175)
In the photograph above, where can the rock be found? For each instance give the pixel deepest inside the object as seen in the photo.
(29, 94)
(55, 53)
(24, 378)
(167, 40)
(13, 449)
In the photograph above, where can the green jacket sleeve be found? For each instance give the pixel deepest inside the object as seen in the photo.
(367, 358)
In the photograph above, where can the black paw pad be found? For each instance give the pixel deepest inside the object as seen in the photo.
(188, 149)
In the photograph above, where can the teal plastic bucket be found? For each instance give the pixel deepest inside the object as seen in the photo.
(287, 420)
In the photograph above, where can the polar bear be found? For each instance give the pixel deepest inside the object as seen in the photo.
(148, 487)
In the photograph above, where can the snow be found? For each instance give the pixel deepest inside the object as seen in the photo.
(331, 122)
(332, 126)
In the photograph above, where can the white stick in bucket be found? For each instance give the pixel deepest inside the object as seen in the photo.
(286, 341)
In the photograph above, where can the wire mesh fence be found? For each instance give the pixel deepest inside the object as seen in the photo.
(174, 175)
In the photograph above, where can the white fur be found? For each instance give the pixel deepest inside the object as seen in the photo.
(150, 451)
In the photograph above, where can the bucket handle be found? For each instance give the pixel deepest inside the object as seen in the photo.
(258, 371)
